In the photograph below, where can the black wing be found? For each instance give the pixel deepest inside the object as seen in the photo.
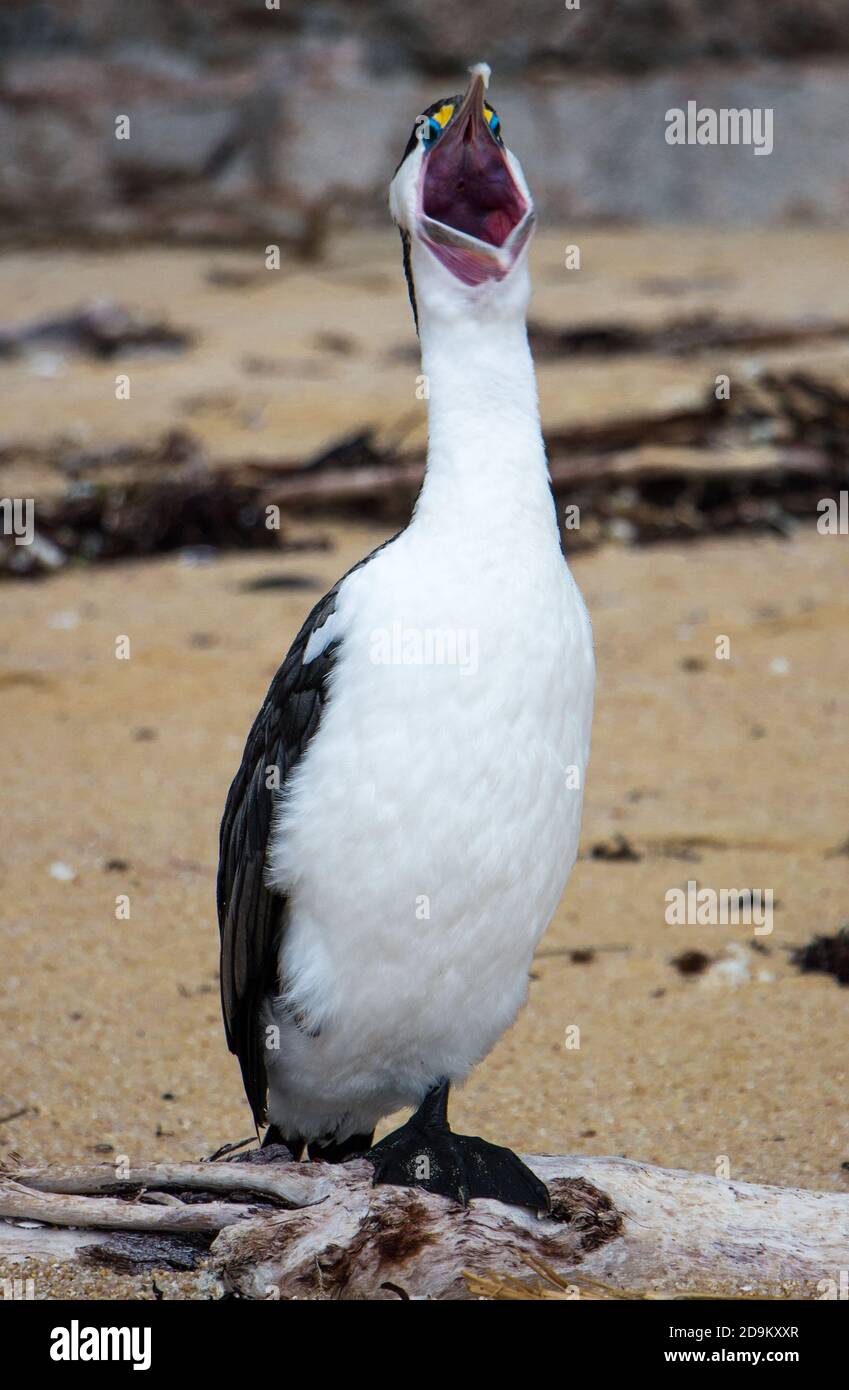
(250, 917)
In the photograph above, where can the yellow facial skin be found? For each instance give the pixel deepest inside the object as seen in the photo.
(444, 114)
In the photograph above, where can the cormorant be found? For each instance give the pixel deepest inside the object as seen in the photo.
(408, 806)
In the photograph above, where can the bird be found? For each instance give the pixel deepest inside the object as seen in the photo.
(408, 805)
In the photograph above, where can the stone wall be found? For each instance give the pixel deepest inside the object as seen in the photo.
(249, 121)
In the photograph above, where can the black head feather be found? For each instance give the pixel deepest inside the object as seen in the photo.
(428, 111)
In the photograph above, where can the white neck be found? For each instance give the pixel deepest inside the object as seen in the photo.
(486, 466)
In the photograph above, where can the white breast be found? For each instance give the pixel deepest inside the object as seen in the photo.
(427, 834)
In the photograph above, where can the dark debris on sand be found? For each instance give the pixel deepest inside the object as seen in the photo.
(100, 330)
(829, 955)
(616, 851)
(691, 962)
(687, 474)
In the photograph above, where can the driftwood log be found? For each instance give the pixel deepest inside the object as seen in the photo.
(311, 1231)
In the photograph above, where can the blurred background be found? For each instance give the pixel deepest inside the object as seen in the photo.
(287, 116)
(203, 314)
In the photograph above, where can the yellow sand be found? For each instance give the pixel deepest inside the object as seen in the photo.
(104, 1019)
(111, 1040)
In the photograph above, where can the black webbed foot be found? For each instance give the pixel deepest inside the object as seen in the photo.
(425, 1153)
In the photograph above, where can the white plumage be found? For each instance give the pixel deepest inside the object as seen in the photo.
(434, 789)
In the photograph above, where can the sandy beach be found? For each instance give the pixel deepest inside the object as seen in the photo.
(731, 773)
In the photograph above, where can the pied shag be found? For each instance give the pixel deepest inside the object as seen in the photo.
(408, 805)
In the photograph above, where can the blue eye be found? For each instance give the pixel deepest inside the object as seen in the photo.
(494, 123)
(430, 132)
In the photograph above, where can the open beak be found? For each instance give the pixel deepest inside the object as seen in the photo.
(471, 213)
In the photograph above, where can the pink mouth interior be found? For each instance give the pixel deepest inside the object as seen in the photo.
(468, 186)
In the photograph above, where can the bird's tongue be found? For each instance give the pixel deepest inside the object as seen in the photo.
(467, 183)
(496, 227)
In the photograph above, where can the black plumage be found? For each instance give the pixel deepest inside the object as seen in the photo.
(456, 101)
(251, 918)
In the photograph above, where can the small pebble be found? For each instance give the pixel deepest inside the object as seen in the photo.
(62, 872)
(65, 621)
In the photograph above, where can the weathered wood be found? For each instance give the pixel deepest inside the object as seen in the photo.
(284, 1182)
(23, 1203)
(629, 1225)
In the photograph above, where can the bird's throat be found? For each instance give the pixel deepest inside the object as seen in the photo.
(486, 459)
